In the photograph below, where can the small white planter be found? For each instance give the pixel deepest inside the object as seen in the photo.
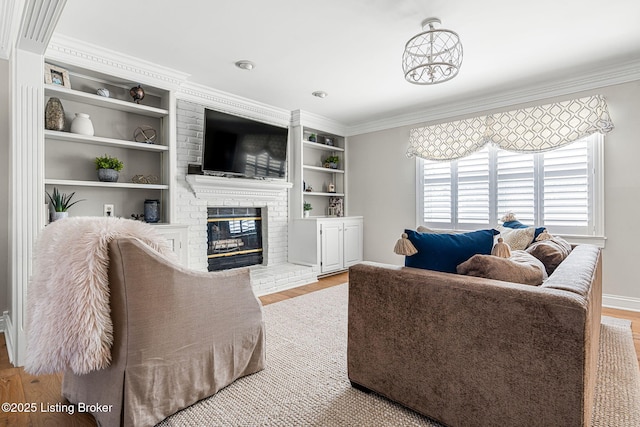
(58, 215)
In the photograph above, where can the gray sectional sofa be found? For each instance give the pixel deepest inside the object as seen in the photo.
(470, 351)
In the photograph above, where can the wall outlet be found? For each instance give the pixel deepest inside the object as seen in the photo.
(108, 210)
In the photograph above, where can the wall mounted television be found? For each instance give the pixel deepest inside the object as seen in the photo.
(243, 147)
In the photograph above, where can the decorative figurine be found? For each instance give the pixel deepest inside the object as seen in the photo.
(137, 93)
(103, 92)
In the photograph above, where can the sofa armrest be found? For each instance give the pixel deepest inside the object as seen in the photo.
(467, 351)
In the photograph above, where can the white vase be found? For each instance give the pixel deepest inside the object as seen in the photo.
(305, 214)
(82, 125)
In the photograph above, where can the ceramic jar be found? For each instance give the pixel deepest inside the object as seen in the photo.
(151, 210)
(54, 115)
(82, 125)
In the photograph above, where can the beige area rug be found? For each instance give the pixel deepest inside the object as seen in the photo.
(305, 382)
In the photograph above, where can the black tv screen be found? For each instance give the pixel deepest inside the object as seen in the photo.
(238, 146)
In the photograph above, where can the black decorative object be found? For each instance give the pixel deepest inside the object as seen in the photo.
(137, 93)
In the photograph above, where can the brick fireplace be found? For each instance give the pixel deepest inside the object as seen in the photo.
(195, 194)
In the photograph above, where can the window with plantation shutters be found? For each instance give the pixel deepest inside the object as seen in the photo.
(559, 189)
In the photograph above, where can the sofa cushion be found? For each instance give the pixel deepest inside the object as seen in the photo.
(443, 252)
(521, 267)
(551, 252)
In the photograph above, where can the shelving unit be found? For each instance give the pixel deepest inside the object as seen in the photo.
(69, 158)
(312, 178)
(330, 243)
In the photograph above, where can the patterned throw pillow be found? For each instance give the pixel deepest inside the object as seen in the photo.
(518, 239)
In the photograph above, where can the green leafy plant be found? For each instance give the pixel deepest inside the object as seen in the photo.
(307, 206)
(332, 159)
(108, 162)
(61, 201)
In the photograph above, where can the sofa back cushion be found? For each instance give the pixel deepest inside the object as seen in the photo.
(443, 252)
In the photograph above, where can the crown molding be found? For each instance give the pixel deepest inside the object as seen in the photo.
(86, 55)
(9, 24)
(233, 104)
(304, 118)
(618, 73)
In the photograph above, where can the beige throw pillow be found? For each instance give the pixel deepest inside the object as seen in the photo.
(550, 252)
(517, 238)
(521, 267)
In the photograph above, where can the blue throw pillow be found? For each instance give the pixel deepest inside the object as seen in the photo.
(518, 224)
(443, 252)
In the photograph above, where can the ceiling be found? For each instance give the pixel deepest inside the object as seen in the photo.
(353, 49)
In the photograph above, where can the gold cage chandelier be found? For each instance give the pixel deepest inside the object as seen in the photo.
(433, 56)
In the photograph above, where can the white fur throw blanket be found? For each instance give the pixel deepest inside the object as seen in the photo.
(68, 314)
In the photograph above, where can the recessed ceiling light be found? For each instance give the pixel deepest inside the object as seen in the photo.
(245, 65)
(320, 94)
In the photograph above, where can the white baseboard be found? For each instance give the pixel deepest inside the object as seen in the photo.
(621, 303)
(8, 335)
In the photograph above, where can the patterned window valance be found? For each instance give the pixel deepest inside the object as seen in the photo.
(531, 129)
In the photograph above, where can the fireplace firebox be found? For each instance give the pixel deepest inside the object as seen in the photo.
(234, 237)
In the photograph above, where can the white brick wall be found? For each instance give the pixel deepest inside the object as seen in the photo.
(275, 274)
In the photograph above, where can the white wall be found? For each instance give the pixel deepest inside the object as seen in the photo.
(4, 183)
(382, 188)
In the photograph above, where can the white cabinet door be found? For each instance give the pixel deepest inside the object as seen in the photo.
(352, 242)
(332, 246)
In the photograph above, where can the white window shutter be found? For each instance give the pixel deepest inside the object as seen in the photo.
(566, 188)
(473, 188)
(437, 193)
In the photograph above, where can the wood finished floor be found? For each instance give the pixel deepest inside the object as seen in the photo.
(17, 386)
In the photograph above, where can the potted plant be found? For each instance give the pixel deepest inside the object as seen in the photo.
(312, 137)
(306, 208)
(108, 168)
(61, 202)
(331, 162)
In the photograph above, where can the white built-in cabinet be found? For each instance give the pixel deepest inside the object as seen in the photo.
(331, 244)
(340, 243)
(69, 157)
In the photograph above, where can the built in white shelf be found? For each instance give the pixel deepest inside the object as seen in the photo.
(78, 183)
(98, 140)
(319, 146)
(101, 101)
(318, 193)
(322, 169)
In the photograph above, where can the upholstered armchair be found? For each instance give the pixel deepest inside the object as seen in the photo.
(178, 336)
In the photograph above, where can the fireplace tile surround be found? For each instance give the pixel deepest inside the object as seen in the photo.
(196, 193)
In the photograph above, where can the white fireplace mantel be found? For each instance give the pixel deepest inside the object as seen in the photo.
(206, 187)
